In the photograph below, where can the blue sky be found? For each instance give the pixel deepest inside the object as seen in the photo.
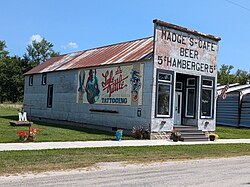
(76, 25)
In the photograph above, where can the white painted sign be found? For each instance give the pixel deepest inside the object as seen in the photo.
(185, 52)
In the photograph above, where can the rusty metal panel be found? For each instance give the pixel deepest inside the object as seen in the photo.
(118, 53)
(185, 51)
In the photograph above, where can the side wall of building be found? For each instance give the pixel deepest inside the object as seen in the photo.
(66, 106)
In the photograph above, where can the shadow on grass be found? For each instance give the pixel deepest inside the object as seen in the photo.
(73, 127)
(69, 127)
(11, 118)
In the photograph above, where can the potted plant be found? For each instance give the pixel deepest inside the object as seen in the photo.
(176, 135)
(213, 137)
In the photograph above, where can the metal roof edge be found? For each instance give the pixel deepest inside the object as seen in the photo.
(143, 60)
(245, 91)
(147, 56)
(159, 22)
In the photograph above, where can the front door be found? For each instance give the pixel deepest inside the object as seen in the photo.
(177, 108)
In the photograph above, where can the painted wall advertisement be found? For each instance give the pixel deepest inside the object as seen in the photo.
(184, 52)
(115, 86)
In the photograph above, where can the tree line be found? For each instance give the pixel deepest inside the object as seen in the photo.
(12, 69)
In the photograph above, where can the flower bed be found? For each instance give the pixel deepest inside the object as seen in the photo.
(28, 135)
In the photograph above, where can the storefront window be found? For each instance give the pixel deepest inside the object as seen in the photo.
(164, 92)
(206, 103)
(163, 99)
(207, 98)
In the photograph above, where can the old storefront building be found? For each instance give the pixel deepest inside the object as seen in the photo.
(157, 82)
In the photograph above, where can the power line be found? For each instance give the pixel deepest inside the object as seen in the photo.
(237, 4)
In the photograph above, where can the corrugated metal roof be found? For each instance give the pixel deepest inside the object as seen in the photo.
(243, 89)
(220, 87)
(117, 53)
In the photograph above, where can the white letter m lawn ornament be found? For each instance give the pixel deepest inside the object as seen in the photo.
(22, 116)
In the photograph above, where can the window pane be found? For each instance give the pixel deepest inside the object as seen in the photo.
(30, 80)
(190, 102)
(206, 104)
(44, 79)
(191, 82)
(163, 99)
(50, 96)
(164, 77)
(179, 86)
(207, 82)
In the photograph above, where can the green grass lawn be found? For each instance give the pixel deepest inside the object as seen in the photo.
(13, 162)
(232, 133)
(57, 132)
(49, 132)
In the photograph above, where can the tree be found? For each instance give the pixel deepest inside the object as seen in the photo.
(242, 76)
(3, 52)
(224, 75)
(38, 52)
(11, 79)
(12, 68)
(3, 55)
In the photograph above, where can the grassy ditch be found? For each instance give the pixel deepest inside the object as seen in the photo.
(18, 162)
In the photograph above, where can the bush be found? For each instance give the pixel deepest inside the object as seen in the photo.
(141, 133)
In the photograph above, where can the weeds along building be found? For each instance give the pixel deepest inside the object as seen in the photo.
(156, 82)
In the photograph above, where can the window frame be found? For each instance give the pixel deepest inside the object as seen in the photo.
(189, 79)
(31, 79)
(181, 86)
(44, 78)
(164, 82)
(212, 89)
(50, 96)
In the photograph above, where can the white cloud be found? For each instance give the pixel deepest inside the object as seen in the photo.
(70, 45)
(35, 37)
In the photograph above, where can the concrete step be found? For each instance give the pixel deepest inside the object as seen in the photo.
(195, 139)
(191, 133)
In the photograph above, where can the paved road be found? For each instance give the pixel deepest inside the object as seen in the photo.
(212, 172)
